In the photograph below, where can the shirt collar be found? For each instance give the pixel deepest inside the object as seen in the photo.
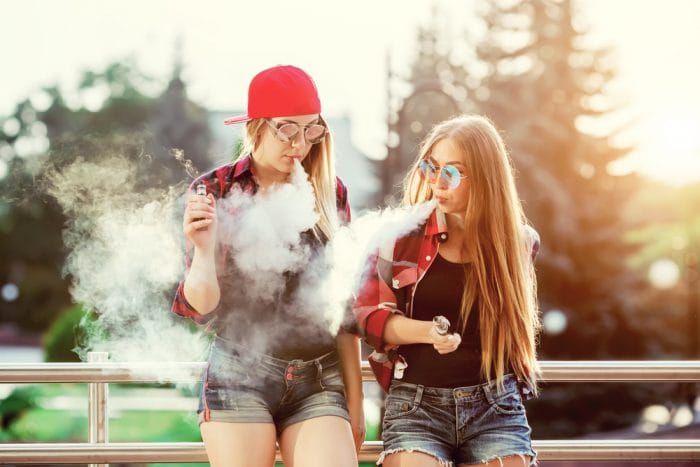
(242, 167)
(436, 223)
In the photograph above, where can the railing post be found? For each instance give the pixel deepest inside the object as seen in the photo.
(98, 393)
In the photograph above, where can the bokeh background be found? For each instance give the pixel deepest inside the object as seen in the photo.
(598, 102)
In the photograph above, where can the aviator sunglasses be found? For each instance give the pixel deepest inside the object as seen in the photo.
(287, 131)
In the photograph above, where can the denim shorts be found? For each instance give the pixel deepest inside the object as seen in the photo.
(241, 386)
(470, 425)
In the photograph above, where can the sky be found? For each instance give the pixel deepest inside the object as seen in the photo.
(346, 46)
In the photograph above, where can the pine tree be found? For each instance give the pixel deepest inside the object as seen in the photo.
(542, 87)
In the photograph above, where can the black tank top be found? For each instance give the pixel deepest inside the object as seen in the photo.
(440, 293)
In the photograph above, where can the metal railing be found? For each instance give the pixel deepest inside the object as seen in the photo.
(98, 373)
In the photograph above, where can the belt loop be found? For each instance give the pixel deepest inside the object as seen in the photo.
(487, 390)
(319, 367)
(419, 395)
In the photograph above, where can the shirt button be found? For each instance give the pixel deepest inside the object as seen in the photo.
(428, 258)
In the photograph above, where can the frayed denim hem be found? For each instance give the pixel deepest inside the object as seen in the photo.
(523, 456)
(443, 462)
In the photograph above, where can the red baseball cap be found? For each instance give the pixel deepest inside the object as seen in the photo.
(280, 91)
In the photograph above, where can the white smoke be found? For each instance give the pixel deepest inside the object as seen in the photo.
(264, 230)
(331, 283)
(125, 255)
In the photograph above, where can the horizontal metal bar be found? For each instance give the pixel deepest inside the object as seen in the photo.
(126, 372)
(118, 372)
(548, 450)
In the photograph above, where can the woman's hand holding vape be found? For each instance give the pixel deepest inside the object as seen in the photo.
(199, 222)
(442, 341)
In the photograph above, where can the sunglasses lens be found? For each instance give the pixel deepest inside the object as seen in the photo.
(451, 176)
(427, 170)
(315, 133)
(287, 132)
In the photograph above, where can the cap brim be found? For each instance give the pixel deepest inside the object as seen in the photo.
(236, 119)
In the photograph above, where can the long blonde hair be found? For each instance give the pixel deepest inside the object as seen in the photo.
(319, 164)
(502, 282)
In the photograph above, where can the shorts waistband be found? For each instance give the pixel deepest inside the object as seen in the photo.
(228, 346)
(510, 382)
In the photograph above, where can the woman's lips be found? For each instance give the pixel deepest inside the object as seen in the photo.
(441, 199)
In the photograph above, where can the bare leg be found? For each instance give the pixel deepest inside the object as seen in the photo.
(239, 444)
(410, 459)
(318, 442)
(517, 460)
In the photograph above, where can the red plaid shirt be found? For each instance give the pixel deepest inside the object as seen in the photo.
(390, 288)
(220, 182)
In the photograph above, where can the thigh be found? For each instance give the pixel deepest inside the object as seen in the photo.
(494, 429)
(239, 444)
(411, 459)
(517, 460)
(318, 442)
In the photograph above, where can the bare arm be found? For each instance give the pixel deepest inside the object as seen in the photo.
(350, 360)
(400, 330)
(349, 351)
(201, 285)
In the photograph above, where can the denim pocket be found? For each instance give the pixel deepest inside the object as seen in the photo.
(507, 403)
(401, 403)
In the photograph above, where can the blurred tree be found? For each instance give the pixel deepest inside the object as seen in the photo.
(548, 90)
(669, 240)
(109, 113)
(546, 93)
(433, 91)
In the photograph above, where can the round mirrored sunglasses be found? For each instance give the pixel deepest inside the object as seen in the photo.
(448, 174)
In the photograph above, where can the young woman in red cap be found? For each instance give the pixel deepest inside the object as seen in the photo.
(451, 310)
(305, 390)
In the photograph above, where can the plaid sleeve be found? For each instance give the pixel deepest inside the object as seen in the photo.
(183, 308)
(374, 303)
(180, 305)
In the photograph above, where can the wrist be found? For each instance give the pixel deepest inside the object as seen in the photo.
(204, 252)
(354, 397)
(428, 337)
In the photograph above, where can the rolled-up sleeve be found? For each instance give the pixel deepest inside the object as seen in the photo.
(374, 304)
(183, 308)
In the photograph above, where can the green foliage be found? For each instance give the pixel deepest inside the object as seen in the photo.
(67, 332)
(20, 401)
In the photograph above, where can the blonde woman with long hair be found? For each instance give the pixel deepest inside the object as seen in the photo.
(451, 309)
(304, 390)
